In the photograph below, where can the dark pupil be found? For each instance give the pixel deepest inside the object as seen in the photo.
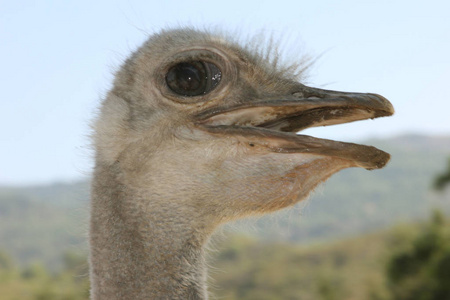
(187, 77)
(193, 78)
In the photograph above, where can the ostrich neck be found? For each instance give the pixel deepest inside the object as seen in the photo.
(137, 252)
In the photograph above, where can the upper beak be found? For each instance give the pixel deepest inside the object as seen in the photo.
(274, 119)
(307, 107)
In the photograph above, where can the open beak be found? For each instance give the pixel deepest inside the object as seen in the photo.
(272, 122)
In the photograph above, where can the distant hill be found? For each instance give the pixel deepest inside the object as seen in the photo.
(42, 222)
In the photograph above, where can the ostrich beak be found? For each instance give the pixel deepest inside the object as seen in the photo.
(273, 121)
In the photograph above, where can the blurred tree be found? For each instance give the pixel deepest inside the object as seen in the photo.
(422, 271)
(329, 288)
(442, 179)
(34, 271)
(6, 262)
(35, 282)
(75, 262)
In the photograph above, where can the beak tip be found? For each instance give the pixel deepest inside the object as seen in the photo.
(378, 162)
(386, 108)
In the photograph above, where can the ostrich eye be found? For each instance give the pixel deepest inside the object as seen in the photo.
(193, 78)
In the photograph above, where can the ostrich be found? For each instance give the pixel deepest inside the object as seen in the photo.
(195, 132)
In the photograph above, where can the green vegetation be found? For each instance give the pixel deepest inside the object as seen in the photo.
(35, 282)
(409, 262)
(421, 270)
(443, 179)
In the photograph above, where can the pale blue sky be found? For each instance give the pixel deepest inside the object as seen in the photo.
(57, 59)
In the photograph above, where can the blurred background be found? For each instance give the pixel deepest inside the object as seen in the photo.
(363, 235)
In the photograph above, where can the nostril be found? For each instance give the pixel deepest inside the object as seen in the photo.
(302, 95)
(298, 94)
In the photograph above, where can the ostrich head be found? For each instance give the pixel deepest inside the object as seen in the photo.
(195, 132)
(215, 126)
